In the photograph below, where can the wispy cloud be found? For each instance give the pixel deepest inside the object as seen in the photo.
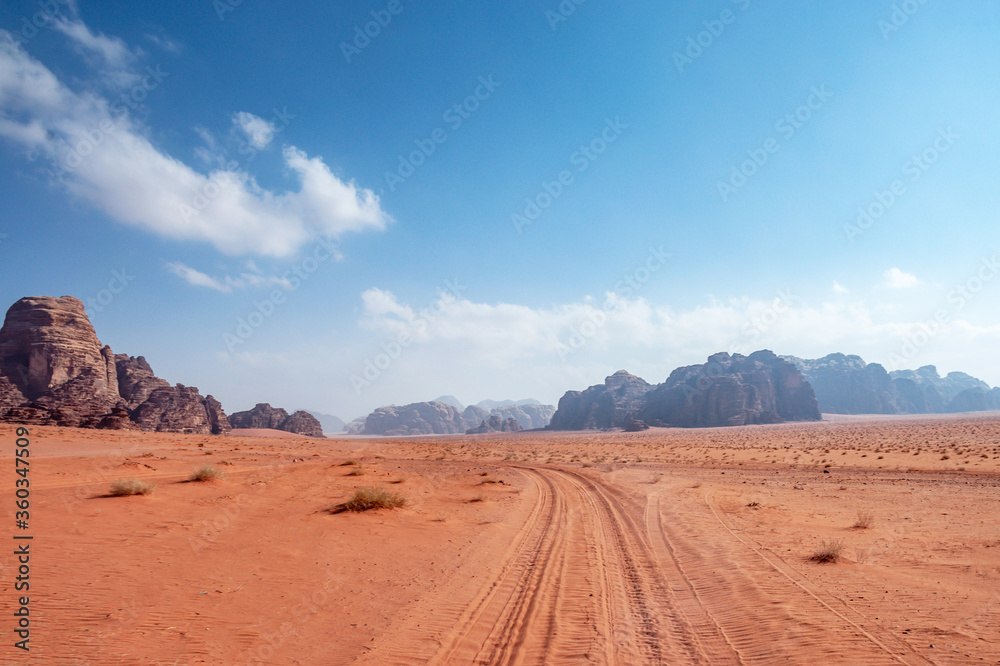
(226, 284)
(134, 182)
(894, 278)
(258, 131)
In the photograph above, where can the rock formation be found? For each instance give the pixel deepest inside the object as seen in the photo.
(264, 416)
(613, 404)
(181, 409)
(495, 423)
(727, 390)
(440, 418)
(847, 385)
(731, 391)
(419, 418)
(54, 371)
(530, 416)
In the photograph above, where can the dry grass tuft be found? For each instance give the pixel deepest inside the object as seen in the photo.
(206, 473)
(357, 471)
(829, 551)
(368, 498)
(349, 462)
(865, 519)
(123, 487)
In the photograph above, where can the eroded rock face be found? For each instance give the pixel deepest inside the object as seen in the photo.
(613, 404)
(263, 415)
(847, 385)
(136, 379)
(732, 391)
(725, 391)
(54, 371)
(419, 418)
(531, 417)
(303, 423)
(495, 423)
(50, 354)
(181, 409)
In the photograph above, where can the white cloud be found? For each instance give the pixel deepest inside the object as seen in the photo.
(111, 54)
(108, 160)
(226, 284)
(839, 288)
(258, 131)
(897, 279)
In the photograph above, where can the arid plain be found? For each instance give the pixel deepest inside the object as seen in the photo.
(666, 546)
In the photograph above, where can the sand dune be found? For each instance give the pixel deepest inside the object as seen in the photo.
(666, 546)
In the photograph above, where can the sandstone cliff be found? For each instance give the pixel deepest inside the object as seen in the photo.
(725, 391)
(614, 404)
(54, 371)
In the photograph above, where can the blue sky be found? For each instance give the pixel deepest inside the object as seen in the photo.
(256, 141)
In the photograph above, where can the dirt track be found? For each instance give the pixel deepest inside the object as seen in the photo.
(597, 577)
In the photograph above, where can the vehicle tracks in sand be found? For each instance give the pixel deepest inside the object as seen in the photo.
(595, 576)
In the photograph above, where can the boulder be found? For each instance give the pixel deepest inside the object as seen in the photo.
(303, 423)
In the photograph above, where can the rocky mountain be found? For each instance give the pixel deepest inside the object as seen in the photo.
(495, 423)
(613, 404)
(265, 416)
(54, 371)
(329, 422)
(419, 418)
(847, 385)
(725, 391)
(440, 418)
(530, 415)
(731, 391)
(356, 427)
(450, 400)
(490, 405)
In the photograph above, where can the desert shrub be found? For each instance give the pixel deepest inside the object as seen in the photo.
(864, 520)
(123, 487)
(829, 551)
(368, 498)
(206, 473)
(349, 462)
(357, 471)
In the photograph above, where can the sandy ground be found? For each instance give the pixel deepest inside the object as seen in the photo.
(666, 546)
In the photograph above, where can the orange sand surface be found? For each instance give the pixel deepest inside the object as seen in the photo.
(663, 547)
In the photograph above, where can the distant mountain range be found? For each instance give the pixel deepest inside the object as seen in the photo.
(446, 415)
(724, 391)
(845, 384)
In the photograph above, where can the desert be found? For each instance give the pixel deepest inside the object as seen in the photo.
(663, 546)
